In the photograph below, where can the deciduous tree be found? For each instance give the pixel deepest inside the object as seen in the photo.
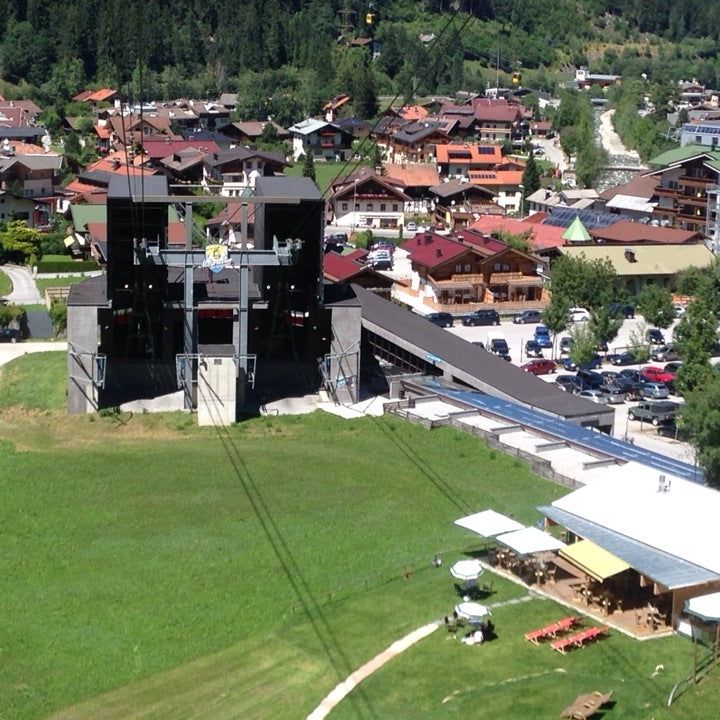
(655, 304)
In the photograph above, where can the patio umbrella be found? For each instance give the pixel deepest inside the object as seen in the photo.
(467, 570)
(472, 612)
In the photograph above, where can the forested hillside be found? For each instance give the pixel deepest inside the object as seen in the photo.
(292, 50)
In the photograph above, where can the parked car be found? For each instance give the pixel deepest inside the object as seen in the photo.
(611, 376)
(654, 374)
(380, 260)
(631, 374)
(539, 366)
(533, 349)
(632, 389)
(679, 310)
(542, 336)
(620, 309)
(566, 344)
(594, 364)
(498, 346)
(578, 314)
(672, 367)
(441, 319)
(481, 317)
(654, 412)
(10, 335)
(654, 336)
(601, 346)
(654, 391)
(624, 358)
(569, 383)
(527, 317)
(596, 396)
(411, 227)
(664, 353)
(592, 380)
(613, 394)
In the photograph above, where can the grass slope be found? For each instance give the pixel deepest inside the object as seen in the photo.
(155, 569)
(6, 285)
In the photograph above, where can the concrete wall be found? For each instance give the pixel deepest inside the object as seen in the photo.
(345, 352)
(83, 339)
(217, 391)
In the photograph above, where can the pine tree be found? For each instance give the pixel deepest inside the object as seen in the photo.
(309, 166)
(531, 177)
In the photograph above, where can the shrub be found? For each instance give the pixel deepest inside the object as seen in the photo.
(62, 266)
(58, 316)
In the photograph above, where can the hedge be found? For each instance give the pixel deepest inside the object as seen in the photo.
(62, 266)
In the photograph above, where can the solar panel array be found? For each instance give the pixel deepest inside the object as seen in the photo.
(704, 129)
(486, 150)
(563, 217)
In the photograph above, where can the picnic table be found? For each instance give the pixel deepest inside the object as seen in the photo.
(552, 630)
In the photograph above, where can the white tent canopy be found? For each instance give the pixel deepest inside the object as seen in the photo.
(530, 540)
(706, 607)
(489, 523)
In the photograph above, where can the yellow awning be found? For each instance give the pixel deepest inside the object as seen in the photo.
(593, 560)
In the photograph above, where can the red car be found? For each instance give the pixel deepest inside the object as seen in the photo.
(651, 373)
(539, 367)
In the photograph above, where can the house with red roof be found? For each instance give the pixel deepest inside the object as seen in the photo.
(505, 185)
(346, 269)
(634, 233)
(541, 237)
(469, 271)
(458, 159)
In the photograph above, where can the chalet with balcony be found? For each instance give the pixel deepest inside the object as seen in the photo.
(497, 120)
(473, 272)
(364, 199)
(458, 159)
(239, 168)
(411, 142)
(323, 140)
(29, 176)
(685, 175)
(504, 184)
(415, 179)
(457, 204)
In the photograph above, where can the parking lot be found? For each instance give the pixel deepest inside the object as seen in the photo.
(643, 434)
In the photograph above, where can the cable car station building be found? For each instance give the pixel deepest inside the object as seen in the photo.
(228, 324)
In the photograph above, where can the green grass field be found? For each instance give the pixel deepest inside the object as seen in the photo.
(325, 172)
(43, 283)
(6, 285)
(159, 570)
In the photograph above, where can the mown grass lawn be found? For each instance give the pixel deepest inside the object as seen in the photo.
(325, 172)
(6, 286)
(43, 283)
(155, 569)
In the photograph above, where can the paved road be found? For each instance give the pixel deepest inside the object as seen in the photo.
(10, 351)
(25, 290)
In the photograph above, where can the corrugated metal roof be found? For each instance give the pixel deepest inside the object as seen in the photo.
(665, 569)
